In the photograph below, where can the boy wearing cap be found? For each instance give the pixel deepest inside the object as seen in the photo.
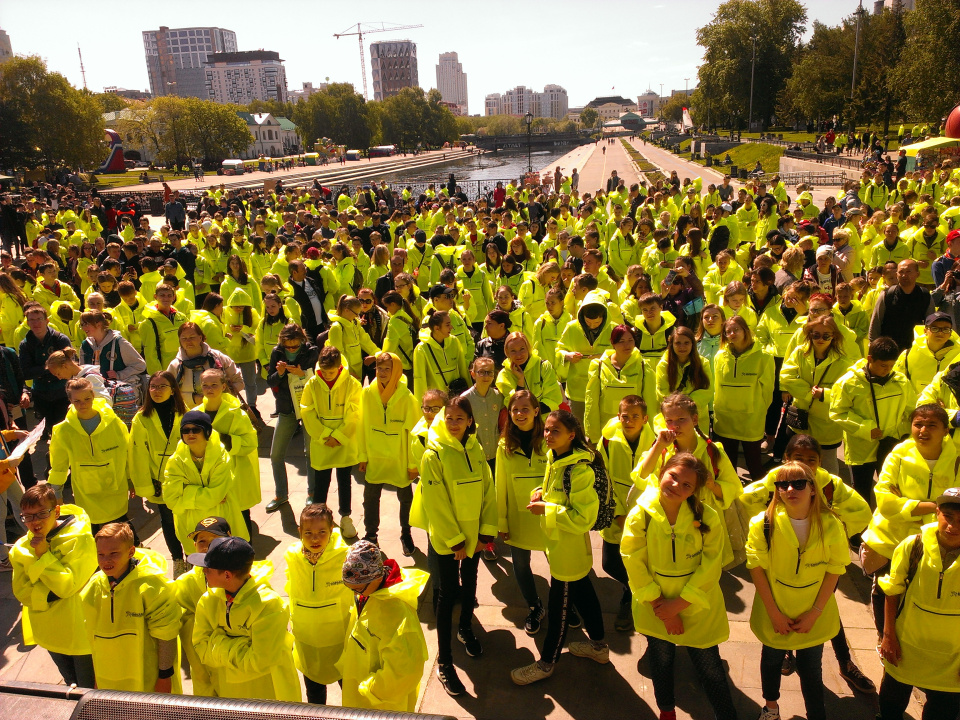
(240, 632)
(132, 616)
(189, 588)
(383, 658)
(921, 639)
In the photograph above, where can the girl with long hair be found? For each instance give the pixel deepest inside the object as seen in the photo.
(672, 548)
(154, 436)
(567, 505)
(681, 370)
(796, 552)
(520, 468)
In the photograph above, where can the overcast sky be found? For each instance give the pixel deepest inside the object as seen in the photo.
(589, 48)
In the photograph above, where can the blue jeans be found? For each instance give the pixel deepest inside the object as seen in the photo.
(282, 435)
(248, 370)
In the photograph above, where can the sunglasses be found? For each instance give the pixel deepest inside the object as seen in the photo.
(191, 430)
(366, 301)
(821, 336)
(798, 485)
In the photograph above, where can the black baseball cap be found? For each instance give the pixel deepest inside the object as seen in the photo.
(213, 525)
(225, 553)
(440, 289)
(938, 317)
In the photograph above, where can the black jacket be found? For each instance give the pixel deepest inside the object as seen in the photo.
(310, 323)
(33, 361)
(306, 359)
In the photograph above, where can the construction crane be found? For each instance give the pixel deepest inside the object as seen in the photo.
(361, 29)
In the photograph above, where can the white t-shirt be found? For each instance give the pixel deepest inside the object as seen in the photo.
(802, 529)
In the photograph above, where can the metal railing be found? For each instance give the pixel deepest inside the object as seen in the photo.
(852, 163)
(809, 177)
(152, 201)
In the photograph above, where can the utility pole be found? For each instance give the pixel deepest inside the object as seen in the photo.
(753, 64)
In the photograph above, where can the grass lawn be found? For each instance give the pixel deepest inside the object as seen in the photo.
(746, 156)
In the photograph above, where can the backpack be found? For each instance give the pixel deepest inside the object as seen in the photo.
(357, 281)
(125, 400)
(602, 486)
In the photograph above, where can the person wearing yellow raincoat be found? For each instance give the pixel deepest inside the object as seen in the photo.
(95, 459)
(456, 501)
(330, 411)
(319, 602)
(132, 616)
(197, 480)
(384, 652)
(796, 552)
(240, 631)
(389, 413)
(672, 549)
(623, 443)
(51, 565)
(921, 641)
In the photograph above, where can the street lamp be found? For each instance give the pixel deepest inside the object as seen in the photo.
(753, 64)
(528, 118)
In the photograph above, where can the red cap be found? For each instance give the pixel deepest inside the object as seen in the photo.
(953, 235)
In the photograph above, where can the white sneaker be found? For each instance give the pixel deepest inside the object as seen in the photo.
(529, 674)
(768, 714)
(598, 652)
(346, 528)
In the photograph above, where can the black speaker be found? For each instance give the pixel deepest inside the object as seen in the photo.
(40, 701)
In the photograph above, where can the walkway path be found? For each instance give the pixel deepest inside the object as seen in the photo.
(595, 165)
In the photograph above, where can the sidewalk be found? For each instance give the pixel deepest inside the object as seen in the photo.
(579, 688)
(595, 166)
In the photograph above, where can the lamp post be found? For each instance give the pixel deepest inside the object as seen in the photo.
(528, 118)
(753, 63)
(856, 48)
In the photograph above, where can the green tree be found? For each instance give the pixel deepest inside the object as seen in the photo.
(728, 46)
(589, 117)
(55, 124)
(215, 131)
(338, 112)
(404, 118)
(672, 109)
(441, 125)
(274, 107)
(929, 70)
(109, 102)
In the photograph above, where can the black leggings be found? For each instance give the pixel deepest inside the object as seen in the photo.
(344, 490)
(95, 527)
(612, 562)
(862, 476)
(563, 596)
(810, 670)
(316, 692)
(169, 532)
(709, 667)
(751, 454)
(452, 573)
(895, 696)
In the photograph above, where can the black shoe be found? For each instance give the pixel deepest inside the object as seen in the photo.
(276, 504)
(534, 621)
(274, 414)
(853, 675)
(447, 675)
(470, 642)
(624, 621)
(407, 547)
(573, 619)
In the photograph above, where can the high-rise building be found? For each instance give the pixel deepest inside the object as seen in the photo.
(6, 49)
(394, 67)
(239, 77)
(175, 58)
(551, 103)
(452, 81)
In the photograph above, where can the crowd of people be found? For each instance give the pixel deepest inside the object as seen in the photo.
(522, 372)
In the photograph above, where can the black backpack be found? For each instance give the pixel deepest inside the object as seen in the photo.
(357, 280)
(602, 486)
